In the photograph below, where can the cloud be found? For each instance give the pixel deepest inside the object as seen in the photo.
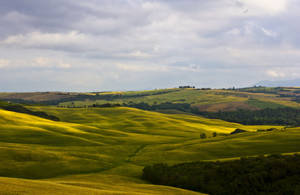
(35, 63)
(275, 74)
(4, 63)
(139, 54)
(141, 68)
(269, 33)
(16, 17)
(265, 6)
(217, 43)
(42, 62)
(71, 40)
(234, 32)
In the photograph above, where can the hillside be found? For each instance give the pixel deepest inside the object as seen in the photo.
(211, 100)
(248, 106)
(271, 174)
(86, 185)
(96, 148)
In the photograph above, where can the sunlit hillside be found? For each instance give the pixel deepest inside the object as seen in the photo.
(105, 149)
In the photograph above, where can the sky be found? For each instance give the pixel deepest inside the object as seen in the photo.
(109, 45)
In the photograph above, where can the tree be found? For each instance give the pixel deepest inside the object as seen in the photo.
(214, 134)
(202, 135)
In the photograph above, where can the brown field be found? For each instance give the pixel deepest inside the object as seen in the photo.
(37, 96)
(228, 106)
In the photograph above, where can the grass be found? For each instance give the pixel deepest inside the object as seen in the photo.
(84, 184)
(191, 96)
(264, 104)
(247, 144)
(103, 150)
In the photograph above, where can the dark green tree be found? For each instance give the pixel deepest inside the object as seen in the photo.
(203, 136)
(214, 134)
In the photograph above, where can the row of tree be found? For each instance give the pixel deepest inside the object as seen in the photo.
(275, 174)
(268, 116)
(21, 109)
(163, 106)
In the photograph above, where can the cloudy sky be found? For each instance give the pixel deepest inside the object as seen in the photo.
(98, 45)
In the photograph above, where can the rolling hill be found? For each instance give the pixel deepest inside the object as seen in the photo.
(211, 100)
(103, 150)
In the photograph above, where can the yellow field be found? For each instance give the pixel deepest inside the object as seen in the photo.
(85, 184)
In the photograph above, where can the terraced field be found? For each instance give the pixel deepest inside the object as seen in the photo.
(103, 150)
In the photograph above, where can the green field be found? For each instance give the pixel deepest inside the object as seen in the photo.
(103, 150)
(207, 100)
(211, 100)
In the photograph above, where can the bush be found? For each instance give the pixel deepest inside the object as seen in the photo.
(203, 136)
(214, 134)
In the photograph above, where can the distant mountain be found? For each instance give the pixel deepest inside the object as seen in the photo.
(282, 83)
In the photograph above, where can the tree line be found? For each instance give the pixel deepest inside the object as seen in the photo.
(21, 109)
(275, 174)
(267, 116)
(163, 106)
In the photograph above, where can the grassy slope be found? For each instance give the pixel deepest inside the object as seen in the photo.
(247, 144)
(85, 184)
(108, 147)
(32, 147)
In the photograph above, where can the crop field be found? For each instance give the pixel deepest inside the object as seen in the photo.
(211, 100)
(208, 100)
(103, 150)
